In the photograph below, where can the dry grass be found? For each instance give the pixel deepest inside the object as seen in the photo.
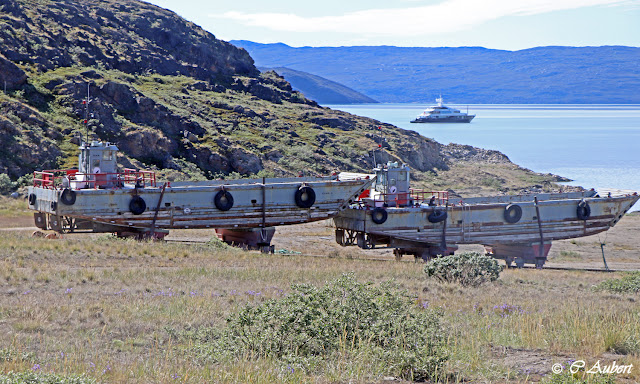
(14, 213)
(114, 309)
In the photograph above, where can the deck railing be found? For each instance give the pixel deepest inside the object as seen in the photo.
(71, 178)
(414, 197)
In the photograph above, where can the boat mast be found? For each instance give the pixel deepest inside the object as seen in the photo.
(86, 127)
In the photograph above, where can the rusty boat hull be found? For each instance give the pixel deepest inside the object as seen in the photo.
(489, 221)
(255, 203)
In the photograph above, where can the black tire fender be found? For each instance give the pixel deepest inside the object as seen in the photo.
(512, 213)
(137, 205)
(583, 211)
(437, 216)
(379, 215)
(305, 197)
(68, 196)
(32, 199)
(223, 200)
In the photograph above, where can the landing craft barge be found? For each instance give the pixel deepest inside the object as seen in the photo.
(516, 228)
(97, 197)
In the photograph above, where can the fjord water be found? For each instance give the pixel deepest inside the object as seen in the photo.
(597, 146)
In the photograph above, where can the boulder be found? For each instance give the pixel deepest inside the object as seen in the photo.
(244, 162)
(148, 145)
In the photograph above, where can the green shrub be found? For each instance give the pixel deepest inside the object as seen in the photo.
(380, 326)
(467, 269)
(6, 185)
(11, 355)
(580, 377)
(629, 283)
(42, 378)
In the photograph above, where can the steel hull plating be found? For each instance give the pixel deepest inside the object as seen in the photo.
(191, 205)
(483, 221)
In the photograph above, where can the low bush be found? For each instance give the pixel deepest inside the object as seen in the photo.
(42, 378)
(580, 377)
(467, 269)
(379, 327)
(6, 185)
(629, 283)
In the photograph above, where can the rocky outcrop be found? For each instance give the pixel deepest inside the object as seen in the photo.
(245, 162)
(11, 76)
(458, 152)
(148, 145)
(28, 140)
(128, 35)
(421, 154)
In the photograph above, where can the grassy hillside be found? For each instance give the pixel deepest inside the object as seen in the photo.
(176, 99)
(595, 75)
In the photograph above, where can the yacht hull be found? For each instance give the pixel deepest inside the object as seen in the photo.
(451, 119)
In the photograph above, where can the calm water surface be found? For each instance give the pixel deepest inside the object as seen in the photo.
(598, 146)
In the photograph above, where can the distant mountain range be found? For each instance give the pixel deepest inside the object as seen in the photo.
(591, 75)
(320, 89)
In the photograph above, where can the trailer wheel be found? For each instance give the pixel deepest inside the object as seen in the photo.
(68, 197)
(32, 199)
(137, 205)
(583, 211)
(379, 215)
(40, 220)
(223, 200)
(512, 213)
(305, 197)
(437, 216)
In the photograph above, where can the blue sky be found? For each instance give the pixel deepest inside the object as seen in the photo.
(498, 24)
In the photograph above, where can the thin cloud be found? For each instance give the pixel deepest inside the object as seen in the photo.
(447, 16)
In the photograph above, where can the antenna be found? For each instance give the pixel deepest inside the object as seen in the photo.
(86, 113)
(86, 102)
(379, 140)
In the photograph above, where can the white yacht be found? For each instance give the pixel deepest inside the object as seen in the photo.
(442, 114)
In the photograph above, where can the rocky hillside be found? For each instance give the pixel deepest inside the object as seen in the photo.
(176, 99)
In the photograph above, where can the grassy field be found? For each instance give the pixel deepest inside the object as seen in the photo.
(120, 311)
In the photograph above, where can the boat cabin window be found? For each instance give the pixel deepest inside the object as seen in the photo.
(381, 181)
(107, 155)
(402, 176)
